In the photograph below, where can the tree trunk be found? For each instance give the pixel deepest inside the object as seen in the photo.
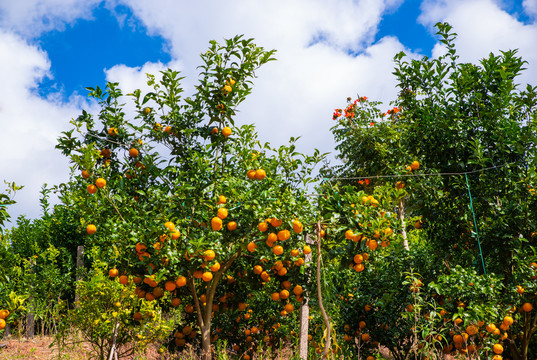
(30, 317)
(328, 341)
(305, 309)
(79, 267)
(205, 311)
(7, 331)
(401, 217)
(113, 351)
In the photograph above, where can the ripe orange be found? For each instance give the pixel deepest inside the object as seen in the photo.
(497, 348)
(181, 281)
(298, 290)
(284, 235)
(221, 200)
(272, 237)
(471, 330)
(258, 269)
(508, 320)
(366, 337)
(169, 225)
(106, 153)
(216, 223)
(137, 316)
(4, 314)
(100, 183)
(214, 131)
(222, 213)
(85, 174)
(215, 267)
(176, 302)
(519, 289)
(260, 174)
(458, 339)
(113, 273)
(415, 165)
(92, 189)
(175, 235)
(276, 222)
(527, 307)
(277, 250)
(158, 292)
(2, 324)
(262, 226)
(373, 244)
(170, 285)
(91, 229)
(358, 258)
(251, 247)
(275, 296)
(289, 308)
(209, 255)
(123, 279)
(284, 294)
(307, 249)
(359, 267)
(226, 131)
(295, 253)
(207, 276)
(251, 174)
(297, 226)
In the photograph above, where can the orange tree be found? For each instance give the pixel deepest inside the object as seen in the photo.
(184, 200)
(461, 139)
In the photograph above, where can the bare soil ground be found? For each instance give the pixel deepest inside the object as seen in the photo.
(40, 348)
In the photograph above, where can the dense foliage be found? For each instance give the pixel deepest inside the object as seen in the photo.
(424, 234)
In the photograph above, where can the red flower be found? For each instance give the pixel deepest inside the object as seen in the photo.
(367, 181)
(371, 123)
(361, 182)
(337, 113)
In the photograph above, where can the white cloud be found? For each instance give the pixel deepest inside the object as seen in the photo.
(29, 124)
(530, 7)
(32, 17)
(483, 27)
(296, 95)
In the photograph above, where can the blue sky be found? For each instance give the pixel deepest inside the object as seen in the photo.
(50, 50)
(116, 36)
(96, 44)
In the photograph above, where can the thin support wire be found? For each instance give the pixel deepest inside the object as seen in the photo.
(475, 224)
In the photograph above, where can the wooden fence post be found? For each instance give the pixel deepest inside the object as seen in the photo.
(79, 267)
(30, 317)
(305, 309)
